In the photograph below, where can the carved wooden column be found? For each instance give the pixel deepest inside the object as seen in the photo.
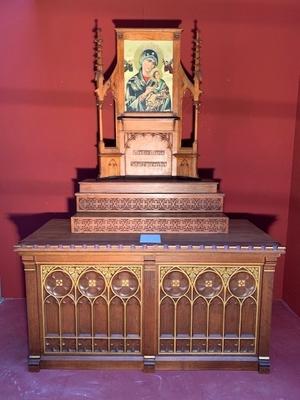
(32, 302)
(265, 314)
(150, 312)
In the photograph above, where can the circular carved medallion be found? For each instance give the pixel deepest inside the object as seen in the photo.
(58, 284)
(175, 284)
(208, 284)
(242, 284)
(91, 284)
(124, 284)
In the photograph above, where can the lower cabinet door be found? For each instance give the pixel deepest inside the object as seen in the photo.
(91, 309)
(208, 309)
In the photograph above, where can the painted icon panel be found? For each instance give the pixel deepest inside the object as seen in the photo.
(148, 75)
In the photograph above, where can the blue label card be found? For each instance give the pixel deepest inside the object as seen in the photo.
(150, 238)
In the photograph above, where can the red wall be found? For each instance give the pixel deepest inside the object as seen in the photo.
(48, 119)
(292, 265)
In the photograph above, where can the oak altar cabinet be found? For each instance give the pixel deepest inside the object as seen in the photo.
(149, 273)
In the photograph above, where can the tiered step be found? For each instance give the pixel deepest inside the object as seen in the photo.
(140, 202)
(148, 185)
(149, 222)
(163, 205)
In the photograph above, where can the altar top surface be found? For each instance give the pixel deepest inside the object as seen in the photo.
(55, 235)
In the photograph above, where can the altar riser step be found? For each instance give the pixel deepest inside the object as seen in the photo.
(148, 224)
(146, 186)
(99, 202)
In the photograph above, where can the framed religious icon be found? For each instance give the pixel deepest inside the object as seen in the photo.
(148, 84)
(150, 61)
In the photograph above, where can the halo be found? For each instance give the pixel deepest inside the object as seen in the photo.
(144, 46)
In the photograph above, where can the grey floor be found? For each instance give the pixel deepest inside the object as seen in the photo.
(283, 383)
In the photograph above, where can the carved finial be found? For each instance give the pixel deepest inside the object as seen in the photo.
(197, 73)
(196, 67)
(98, 64)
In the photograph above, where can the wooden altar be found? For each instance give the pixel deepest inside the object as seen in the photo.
(149, 273)
(107, 301)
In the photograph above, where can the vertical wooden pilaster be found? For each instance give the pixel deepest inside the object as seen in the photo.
(150, 299)
(32, 302)
(265, 314)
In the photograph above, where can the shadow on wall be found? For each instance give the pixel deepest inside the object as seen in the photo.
(28, 223)
(207, 174)
(81, 175)
(262, 221)
(149, 23)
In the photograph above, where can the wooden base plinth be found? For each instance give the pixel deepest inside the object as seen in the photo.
(191, 363)
(92, 362)
(158, 363)
(151, 222)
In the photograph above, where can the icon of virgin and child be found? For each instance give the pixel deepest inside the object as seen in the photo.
(146, 91)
